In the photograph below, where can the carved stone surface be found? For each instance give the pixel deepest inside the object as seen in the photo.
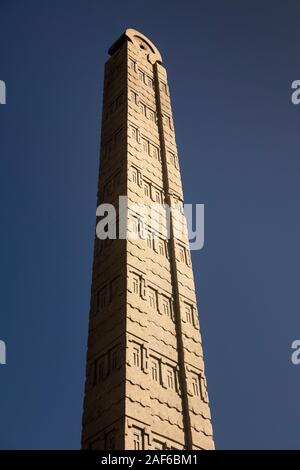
(145, 383)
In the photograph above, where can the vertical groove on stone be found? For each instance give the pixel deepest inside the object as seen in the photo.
(178, 320)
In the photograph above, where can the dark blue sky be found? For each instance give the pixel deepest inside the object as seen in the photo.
(230, 67)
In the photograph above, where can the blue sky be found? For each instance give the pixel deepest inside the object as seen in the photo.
(230, 67)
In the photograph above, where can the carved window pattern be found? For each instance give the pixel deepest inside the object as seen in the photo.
(155, 372)
(203, 388)
(135, 226)
(134, 175)
(147, 189)
(134, 133)
(151, 149)
(145, 144)
(189, 314)
(139, 285)
(158, 196)
(167, 121)
(132, 64)
(137, 440)
(143, 109)
(178, 205)
(146, 79)
(151, 115)
(196, 386)
(155, 152)
(150, 240)
(107, 293)
(141, 76)
(137, 356)
(152, 298)
(149, 82)
(147, 112)
(170, 378)
(133, 96)
(136, 285)
(161, 248)
(173, 159)
(182, 254)
(166, 306)
(164, 87)
(151, 191)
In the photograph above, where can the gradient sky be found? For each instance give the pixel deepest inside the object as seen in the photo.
(230, 66)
